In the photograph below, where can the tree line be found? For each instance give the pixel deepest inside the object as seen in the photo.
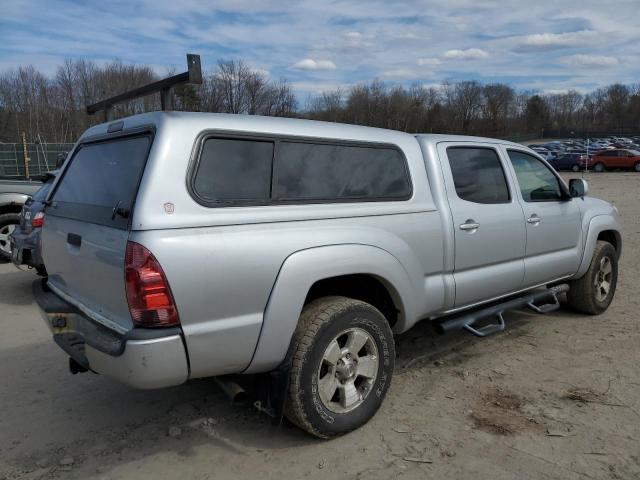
(52, 108)
(469, 107)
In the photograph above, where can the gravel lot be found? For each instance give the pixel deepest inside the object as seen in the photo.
(554, 396)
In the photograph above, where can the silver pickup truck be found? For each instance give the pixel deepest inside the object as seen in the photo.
(190, 245)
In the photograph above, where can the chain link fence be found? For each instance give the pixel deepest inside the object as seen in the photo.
(41, 157)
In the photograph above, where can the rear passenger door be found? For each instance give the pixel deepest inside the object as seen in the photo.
(488, 222)
(553, 221)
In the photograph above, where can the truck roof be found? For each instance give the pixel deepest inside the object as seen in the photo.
(199, 121)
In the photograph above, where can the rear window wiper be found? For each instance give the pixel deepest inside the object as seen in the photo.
(120, 211)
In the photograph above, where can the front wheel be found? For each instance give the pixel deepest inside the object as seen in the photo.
(594, 291)
(342, 366)
(636, 167)
(8, 224)
(575, 168)
(599, 167)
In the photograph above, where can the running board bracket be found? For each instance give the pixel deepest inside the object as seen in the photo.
(467, 320)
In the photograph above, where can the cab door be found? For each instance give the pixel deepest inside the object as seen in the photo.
(553, 220)
(489, 227)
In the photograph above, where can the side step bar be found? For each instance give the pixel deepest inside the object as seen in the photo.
(467, 320)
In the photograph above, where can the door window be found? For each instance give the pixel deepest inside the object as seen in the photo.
(478, 175)
(537, 182)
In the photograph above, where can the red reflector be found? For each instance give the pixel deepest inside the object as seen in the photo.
(149, 297)
(38, 220)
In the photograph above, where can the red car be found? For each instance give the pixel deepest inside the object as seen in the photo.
(618, 158)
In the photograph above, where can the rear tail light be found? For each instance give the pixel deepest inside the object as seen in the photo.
(38, 220)
(149, 297)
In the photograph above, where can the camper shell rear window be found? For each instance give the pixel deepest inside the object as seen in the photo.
(101, 181)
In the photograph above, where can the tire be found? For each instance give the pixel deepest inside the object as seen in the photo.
(8, 222)
(636, 167)
(599, 167)
(586, 293)
(575, 168)
(339, 322)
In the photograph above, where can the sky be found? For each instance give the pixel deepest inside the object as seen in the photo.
(547, 46)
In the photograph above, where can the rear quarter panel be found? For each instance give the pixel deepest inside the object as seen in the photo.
(222, 276)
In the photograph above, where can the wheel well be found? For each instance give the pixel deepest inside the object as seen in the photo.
(366, 288)
(611, 237)
(11, 208)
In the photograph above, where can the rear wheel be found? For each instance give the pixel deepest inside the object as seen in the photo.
(636, 167)
(342, 366)
(599, 167)
(594, 291)
(575, 168)
(8, 224)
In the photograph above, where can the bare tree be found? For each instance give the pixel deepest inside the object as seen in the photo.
(464, 100)
(497, 104)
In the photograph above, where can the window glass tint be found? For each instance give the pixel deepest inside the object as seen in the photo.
(537, 182)
(233, 169)
(478, 175)
(103, 174)
(307, 171)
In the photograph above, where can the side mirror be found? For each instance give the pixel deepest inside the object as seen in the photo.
(61, 158)
(578, 187)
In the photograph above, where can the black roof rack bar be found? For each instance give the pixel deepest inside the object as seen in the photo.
(193, 75)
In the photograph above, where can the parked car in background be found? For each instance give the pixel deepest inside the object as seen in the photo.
(569, 161)
(618, 158)
(544, 153)
(25, 239)
(156, 274)
(577, 151)
(13, 195)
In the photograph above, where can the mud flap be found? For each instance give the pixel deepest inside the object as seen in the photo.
(273, 388)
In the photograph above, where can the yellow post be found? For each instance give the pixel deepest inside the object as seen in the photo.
(26, 158)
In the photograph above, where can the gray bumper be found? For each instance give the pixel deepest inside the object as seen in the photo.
(142, 358)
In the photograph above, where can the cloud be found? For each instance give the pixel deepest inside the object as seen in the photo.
(399, 73)
(428, 62)
(555, 41)
(346, 44)
(583, 60)
(311, 64)
(469, 54)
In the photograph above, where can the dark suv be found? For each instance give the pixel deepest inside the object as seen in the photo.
(569, 161)
(25, 239)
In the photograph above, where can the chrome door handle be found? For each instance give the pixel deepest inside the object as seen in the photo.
(469, 225)
(534, 219)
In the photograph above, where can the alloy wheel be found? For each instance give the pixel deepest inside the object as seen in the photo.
(348, 370)
(5, 241)
(603, 279)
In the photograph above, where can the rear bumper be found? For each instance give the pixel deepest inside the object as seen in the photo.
(25, 248)
(142, 358)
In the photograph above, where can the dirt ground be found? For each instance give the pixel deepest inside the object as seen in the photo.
(554, 396)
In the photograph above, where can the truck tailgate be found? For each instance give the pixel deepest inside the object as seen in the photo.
(84, 238)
